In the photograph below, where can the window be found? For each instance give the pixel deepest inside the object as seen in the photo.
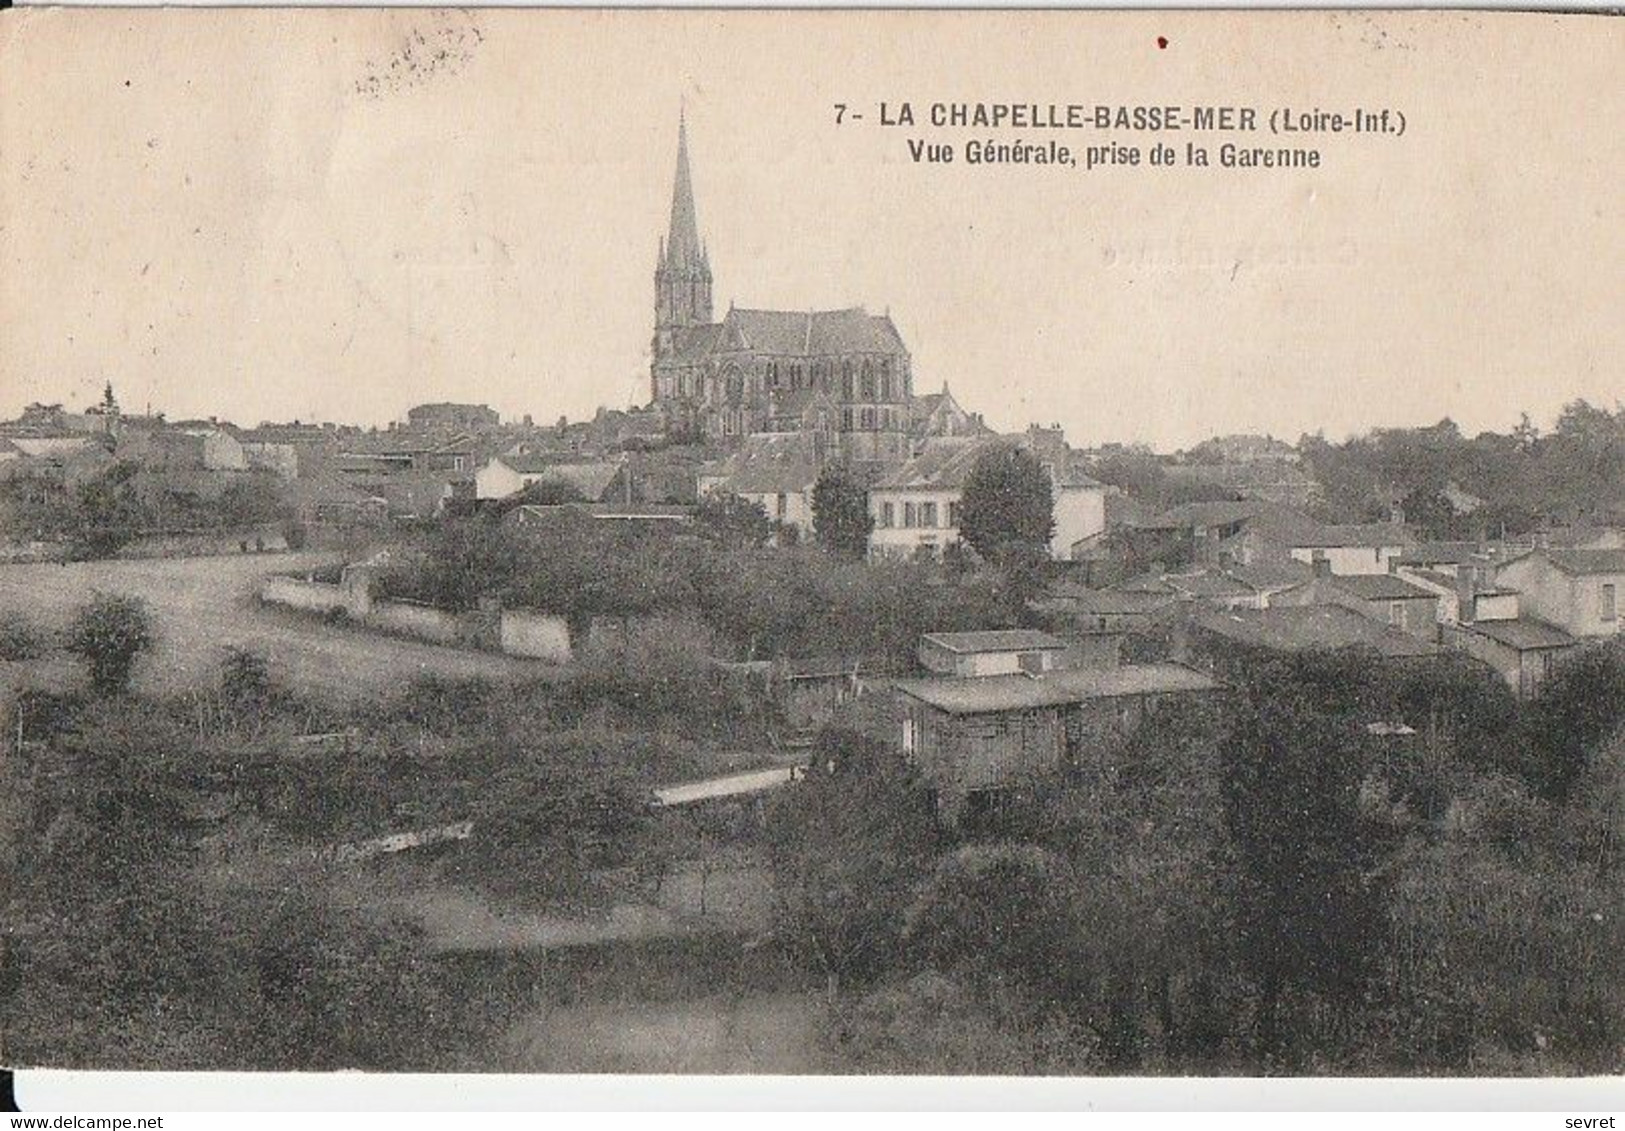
(783, 502)
(868, 382)
(953, 513)
(887, 515)
(773, 374)
(909, 515)
(846, 381)
(1610, 609)
(928, 514)
(868, 420)
(1396, 613)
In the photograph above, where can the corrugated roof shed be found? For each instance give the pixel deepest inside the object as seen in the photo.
(986, 694)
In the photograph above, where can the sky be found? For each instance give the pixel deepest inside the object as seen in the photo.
(338, 214)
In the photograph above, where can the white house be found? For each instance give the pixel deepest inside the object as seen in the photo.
(507, 475)
(916, 507)
(775, 470)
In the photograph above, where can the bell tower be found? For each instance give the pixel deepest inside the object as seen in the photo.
(683, 270)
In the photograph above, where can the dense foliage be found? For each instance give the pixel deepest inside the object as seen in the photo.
(1008, 504)
(109, 633)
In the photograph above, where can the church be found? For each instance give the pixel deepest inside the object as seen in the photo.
(841, 375)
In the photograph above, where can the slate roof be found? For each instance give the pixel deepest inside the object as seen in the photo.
(1381, 587)
(971, 696)
(811, 333)
(1523, 634)
(770, 463)
(591, 479)
(1587, 562)
(1312, 626)
(996, 640)
(943, 464)
(1441, 553)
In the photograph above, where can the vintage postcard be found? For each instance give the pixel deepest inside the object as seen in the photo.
(812, 542)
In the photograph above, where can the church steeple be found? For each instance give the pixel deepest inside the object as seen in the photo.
(683, 270)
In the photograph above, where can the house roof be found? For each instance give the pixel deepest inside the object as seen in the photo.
(971, 696)
(1222, 513)
(943, 464)
(1587, 562)
(1523, 634)
(996, 640)
(1312, 626)
(1441, 553)
(770, 463)
(1381, 587)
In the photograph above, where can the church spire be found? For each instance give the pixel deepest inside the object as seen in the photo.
(683, 240)
(683, 270)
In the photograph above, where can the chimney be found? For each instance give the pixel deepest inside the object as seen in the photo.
(1322, 567)
(1466, 594)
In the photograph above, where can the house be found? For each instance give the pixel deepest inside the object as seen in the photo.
(1112, 610)
(270, 453)
(1212, 639)
(1383, 597)
(775, 470)
(915, 506)
(1577, 591)
(506, 475)
(1254, 532)
(999, 652)
(1361, 548)
(973, 738)
(1522, 650)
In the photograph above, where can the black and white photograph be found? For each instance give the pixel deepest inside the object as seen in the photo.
(812, 543)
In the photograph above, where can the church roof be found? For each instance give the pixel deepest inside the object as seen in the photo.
(811, 333)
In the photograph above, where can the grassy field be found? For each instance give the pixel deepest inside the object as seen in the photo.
(204, 605)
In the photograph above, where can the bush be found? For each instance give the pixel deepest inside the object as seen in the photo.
(110, 633)
(21, 638)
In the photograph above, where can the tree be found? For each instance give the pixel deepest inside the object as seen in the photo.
(110, 633)
(1008, 504)
(733, 521)
(1310, 921)
(848, 846)
(841, 519)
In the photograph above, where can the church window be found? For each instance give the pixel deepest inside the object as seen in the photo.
(846, 382)
(773, 374)
(868, 382)
(795, 377)
(846, 420)
(868, 420)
